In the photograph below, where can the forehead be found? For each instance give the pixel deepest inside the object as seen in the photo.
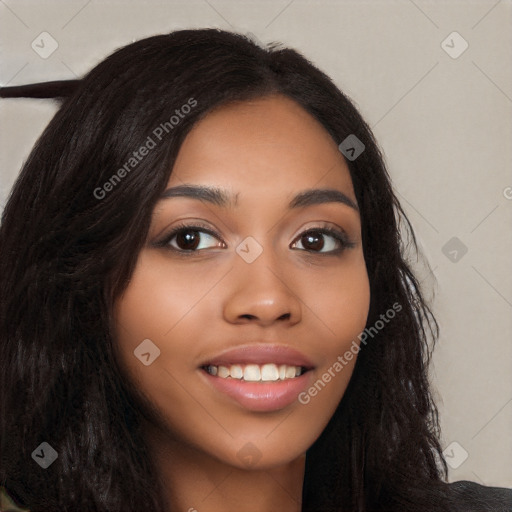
(260, 146)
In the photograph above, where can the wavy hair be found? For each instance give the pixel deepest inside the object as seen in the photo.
(66, 256)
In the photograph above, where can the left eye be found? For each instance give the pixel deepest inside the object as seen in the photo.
(313, 240)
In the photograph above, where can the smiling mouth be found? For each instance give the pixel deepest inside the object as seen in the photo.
(268, 372)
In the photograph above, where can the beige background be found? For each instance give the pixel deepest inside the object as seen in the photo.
(444, 124)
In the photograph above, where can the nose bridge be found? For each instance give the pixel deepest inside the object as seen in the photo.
(264, 271)
(261, 290)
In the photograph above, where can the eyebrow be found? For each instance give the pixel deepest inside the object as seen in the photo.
(222, 198)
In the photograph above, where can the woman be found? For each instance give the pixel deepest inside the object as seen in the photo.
(205, 301)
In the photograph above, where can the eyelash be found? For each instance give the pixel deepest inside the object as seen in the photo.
(338, 235)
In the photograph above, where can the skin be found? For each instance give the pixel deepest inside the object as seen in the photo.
(194, 307)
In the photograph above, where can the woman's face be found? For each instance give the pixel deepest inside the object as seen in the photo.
(251, 307)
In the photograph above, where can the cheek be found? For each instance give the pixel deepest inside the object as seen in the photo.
(159, 296)
(340, 301)
(150, 311)
(158, 305)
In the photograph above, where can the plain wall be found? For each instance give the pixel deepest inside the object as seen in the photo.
(444, 125)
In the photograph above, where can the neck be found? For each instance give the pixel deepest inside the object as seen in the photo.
(196, 482)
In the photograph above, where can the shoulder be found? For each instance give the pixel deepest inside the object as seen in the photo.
(473, 497)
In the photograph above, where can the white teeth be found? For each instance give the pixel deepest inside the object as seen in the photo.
(236, 371)
(269, 372)
(291, 371)
(252, 373)
(223, 372)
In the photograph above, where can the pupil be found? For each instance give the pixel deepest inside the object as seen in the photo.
(315, 242)
(187, 238)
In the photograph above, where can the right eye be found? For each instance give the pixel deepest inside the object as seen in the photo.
(187, 239)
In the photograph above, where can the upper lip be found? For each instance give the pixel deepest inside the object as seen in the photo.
(260, 354)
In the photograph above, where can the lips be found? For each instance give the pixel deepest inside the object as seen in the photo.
(261, 354)
(274, 391)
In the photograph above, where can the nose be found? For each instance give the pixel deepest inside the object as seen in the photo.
(261, 293)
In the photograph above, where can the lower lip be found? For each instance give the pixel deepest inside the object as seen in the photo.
(260, 396)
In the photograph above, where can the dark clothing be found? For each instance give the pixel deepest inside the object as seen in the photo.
(470, 497)
(479, 498)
